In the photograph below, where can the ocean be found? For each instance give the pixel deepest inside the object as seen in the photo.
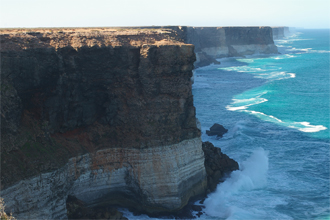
(276, 109)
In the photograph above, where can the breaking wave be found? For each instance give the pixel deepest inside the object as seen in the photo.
(251, 176)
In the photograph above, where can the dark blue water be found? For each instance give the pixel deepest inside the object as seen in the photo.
(277, 111)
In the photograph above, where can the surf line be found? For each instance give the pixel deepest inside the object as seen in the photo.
(301, 126)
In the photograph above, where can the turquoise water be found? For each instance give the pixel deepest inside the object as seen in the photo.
(296, 93)
(277, 111)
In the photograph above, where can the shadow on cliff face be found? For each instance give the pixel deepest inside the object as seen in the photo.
(77, 209)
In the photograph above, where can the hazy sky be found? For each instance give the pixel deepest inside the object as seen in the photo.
(93, 13)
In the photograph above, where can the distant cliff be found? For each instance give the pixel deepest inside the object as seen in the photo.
(218, 42)
(106, 116)
(212, 43)
(280, 32)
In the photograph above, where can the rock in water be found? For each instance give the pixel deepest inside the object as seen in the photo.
(216, 164)
(216, 129)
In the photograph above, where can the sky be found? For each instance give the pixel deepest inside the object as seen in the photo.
(110, 13)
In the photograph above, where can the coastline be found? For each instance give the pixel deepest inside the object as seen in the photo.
(154, 47)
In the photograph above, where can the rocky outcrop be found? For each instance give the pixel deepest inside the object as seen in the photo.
(217, 130)
(217, 165)
(105, 116)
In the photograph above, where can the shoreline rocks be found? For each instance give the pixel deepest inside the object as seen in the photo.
(217, 130)
(217, 165)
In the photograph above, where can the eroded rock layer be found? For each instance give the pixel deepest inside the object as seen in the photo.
(154, 179)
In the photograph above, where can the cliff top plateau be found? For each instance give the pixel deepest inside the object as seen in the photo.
(24, 38)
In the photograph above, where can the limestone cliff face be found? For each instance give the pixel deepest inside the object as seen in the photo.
(107, 117)
(218, 42)
(280, 32)
(155, 179)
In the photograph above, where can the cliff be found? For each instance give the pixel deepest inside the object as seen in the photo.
(218, 42)
(280, 32)
(103, 115)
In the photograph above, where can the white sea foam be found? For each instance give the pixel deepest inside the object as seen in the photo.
(235, 108)
(319, 51)
(252, 175)
(301, 126)
(243, 69)
(246, 60)
(305, 50)
(241, 104)
(285, 56)
(275, 75)
(307, 127)
(283, 41)
(302, 50)
(292, 75)
(258, 72)
(289, 55)
(265, 117)
(297, 39)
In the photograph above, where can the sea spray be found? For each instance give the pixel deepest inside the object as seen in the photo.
(251, 176)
